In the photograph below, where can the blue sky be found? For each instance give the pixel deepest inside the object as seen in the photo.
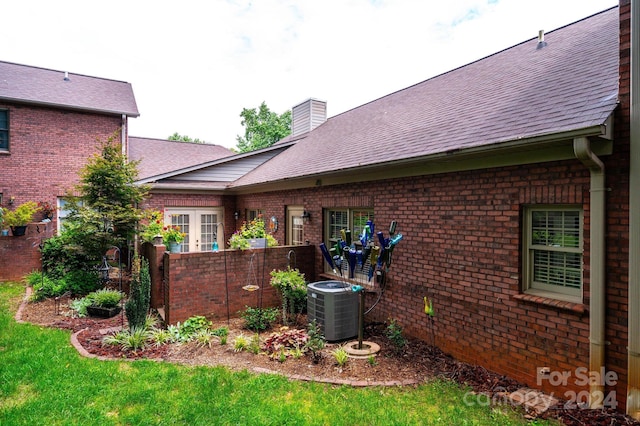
(194, 65)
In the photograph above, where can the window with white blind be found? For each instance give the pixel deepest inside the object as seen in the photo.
(353, 219)
(553, 262)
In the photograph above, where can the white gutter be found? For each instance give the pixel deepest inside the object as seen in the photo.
(597, 210)
(633, 349)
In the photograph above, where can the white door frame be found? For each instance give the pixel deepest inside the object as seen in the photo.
(197, 218)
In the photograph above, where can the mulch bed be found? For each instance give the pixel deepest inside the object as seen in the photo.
(418, 356)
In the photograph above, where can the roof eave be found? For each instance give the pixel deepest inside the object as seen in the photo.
(539, 148)
(69, 107)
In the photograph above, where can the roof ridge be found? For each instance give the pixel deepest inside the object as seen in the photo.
(60, 71)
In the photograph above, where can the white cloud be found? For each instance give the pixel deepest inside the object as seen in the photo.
(194, 65)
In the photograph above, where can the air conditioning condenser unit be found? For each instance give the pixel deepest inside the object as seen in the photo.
(334, 306)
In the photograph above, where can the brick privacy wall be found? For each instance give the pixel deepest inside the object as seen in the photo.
(462, 248)
(47, 149)
(195, 283)
(21, 255)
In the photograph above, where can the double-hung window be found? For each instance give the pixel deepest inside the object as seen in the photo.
(4, 129)
(553, 258)
(354, 220)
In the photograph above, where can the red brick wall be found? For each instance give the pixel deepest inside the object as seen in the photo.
(461, 247)
(47, 149)
(21, 255)
(196, 283)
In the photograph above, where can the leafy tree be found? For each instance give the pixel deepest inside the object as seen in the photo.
(105, 213)
(263, 128)
(183, 138)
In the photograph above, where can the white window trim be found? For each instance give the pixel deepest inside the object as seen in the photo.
(192, 244)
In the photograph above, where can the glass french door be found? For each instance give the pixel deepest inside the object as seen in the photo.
(295, 226)
(201, 226)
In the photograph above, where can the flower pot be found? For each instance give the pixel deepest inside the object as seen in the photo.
(5, 232)
(18, 231)
(174, 247)
(258, 242)
(102, 312)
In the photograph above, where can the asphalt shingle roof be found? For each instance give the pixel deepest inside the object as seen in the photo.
(42, 86)
(518, 93)
(159, 156)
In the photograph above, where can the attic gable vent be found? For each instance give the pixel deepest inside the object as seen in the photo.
(307, 115)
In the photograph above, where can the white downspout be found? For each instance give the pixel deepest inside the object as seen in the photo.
(633, 349)
(597, 209)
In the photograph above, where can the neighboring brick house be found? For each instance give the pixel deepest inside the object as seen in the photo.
(50, 124)
(509, 179)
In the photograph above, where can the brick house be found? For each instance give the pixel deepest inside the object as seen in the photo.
(509, 179)
(50, 122)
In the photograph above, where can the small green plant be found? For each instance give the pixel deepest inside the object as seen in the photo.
(297, 352)
(259, 319)
(341, 356)
(194, 324)
(131, 339)
(395, 336)
(254, 345)
(371, 360)
(105, 298)
(282, 355)
(240, 343)
(203, 338)
(79, 306)
(316, 341)
(160, 336)
(222, 333)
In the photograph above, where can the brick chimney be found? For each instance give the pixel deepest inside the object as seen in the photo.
(307, 115)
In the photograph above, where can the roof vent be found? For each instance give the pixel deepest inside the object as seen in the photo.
(541, 42)
(66, 76)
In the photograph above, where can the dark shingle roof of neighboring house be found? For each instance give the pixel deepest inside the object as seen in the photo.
(511, 97)
(22, 83)
(158, 156)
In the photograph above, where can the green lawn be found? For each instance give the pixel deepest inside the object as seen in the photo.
(43, 381)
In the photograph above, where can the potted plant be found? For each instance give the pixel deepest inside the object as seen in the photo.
(47, 210)
(5, 232)
(104, 303)
(172, 237)
(18, 219)
(252, 235)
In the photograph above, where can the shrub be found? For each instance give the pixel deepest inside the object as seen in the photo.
(44, 286)
(394, 334)
(80, 306)
(82, 282)
(132, 339)
(194, 324)
(259, 319)
(105, 298)
(316, 341)
(137, 306)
